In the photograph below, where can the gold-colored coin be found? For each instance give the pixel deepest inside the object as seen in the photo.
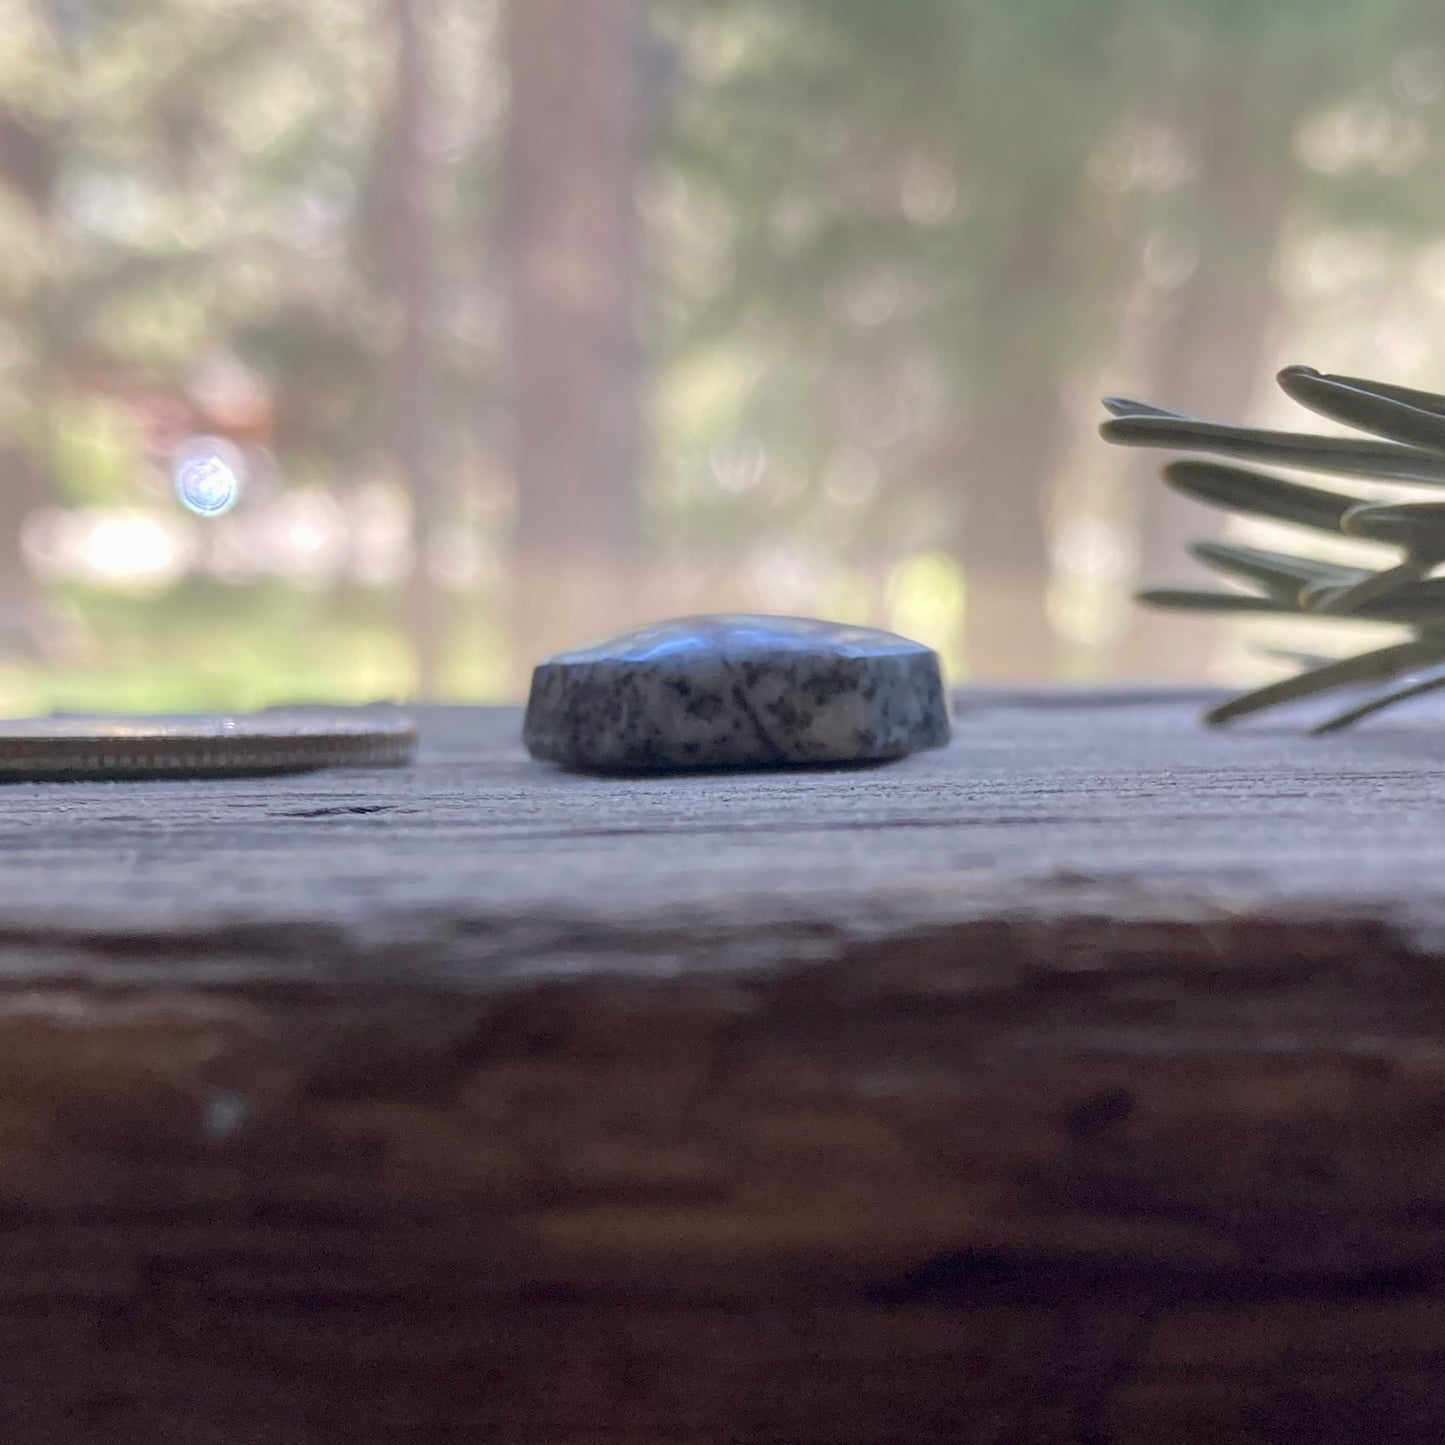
(68, 746)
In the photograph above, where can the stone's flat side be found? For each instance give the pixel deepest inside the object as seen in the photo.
(737, 693)
(775, 712)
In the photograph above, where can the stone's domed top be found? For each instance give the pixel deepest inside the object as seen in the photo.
(736, 691)
(740, 635)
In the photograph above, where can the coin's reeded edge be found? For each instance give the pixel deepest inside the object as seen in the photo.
(71, 759)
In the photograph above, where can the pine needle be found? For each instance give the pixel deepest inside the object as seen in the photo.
(1407, 444)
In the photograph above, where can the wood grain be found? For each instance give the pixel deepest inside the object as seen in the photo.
(1080, 1083)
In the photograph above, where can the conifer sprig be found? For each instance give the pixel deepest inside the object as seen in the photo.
(1405, 443)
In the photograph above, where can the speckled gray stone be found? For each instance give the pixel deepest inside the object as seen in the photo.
(736, 692)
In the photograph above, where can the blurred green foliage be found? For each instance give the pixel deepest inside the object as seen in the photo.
(871, 228)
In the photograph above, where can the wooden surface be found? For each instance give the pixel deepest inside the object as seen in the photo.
(1081, 1083)
(1050, 804)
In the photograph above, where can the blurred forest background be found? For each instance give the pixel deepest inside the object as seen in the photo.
(480, 328)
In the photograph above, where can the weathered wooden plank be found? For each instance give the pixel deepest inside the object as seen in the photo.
(1082, 1082)
(1039, 793)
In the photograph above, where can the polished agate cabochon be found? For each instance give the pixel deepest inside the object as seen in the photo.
(736, 691)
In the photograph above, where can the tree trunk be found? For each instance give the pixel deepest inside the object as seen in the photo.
(1210, 348)
(412, 378)
(1012, 455)
(27, 162)
(28, 172)
(21, 490)
(1012, 451)
(573, 156)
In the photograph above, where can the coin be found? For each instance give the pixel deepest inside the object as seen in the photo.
(71, 746)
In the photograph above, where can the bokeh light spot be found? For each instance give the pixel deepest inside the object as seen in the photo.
(209, 474)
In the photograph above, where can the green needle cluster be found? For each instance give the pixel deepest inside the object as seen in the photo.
(1405, 443)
